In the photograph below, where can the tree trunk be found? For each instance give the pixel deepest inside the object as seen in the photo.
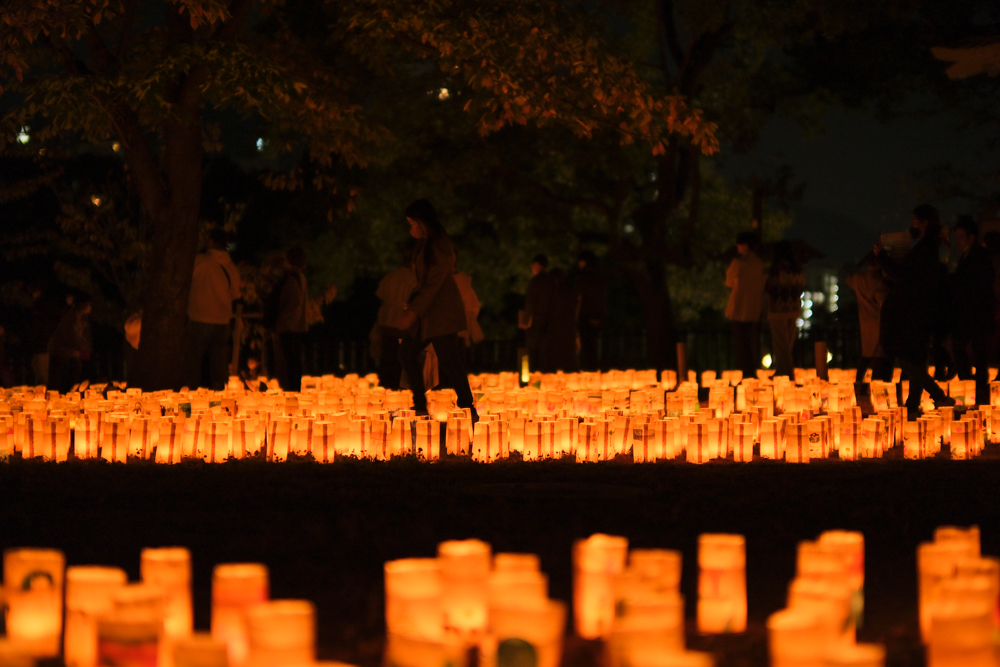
(161, 359)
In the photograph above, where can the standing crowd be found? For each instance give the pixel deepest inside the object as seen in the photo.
(910, 307)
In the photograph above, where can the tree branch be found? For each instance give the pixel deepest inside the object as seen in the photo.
(127, 22)
(239, 10)
(666, 11)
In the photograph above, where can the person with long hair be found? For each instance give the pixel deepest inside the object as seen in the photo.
(911, 306)
(785, 282)
(435, 313)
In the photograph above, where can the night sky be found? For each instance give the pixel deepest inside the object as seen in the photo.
(861, 174)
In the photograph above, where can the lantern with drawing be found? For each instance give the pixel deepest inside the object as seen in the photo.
(236, 587)
(33, 591)
(722, 597)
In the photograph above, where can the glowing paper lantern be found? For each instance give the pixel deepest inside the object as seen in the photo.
(89, 590)
(428, 440)
(797, 443)
(406, 651)
(33, 591)
(961, 634)
(324, 437)
(235, 588)
(465, 569)
(796, 638)
(168, 440)
(855, 655)
(937, 562)
(772, 444)
(596, 561)
(413, 598)
(169, 569)
(830, 600)
(200, 650)
(722, 597)
(282, 632)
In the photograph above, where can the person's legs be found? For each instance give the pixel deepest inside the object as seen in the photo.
(882, 368)
(452, 370)
(409, 358)
(741, 345)
(218, 356)
(783, 334)
(291, 349)
(389, 368)
(914, 366)
(981, 358)
(197, 336)
(960, 352)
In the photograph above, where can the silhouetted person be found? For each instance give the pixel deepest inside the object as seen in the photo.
(473, 333)
(537, 312)
(972, 296)
(214, 286)
(47, 309)
(435, 313)
(559, 344)
(745, 277)
(870, 287)
(292, 323)
(394, 290)
(69, 346)
(784, 285)
(592, 291)
(911, 306)
(992, 242)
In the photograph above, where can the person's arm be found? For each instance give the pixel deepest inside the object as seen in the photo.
(732, 274)
(437, 272)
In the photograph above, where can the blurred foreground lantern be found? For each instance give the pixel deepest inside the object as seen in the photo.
(282, 632)
(855, 655)
(722, 591)
(413, 598)
(235, 588)
(169, 569)
(596, 561)
(200, 650)
(131, 634)
(529, 636)
(796, 638)
(33, 590)
(406, 651)
(89, 590)
(465, 570)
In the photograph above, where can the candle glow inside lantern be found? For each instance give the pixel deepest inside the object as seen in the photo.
(722, 592)
(407, 651)
(413, 592)
(855, 655)
(235, 588)
(535, 632)
(169, 568)
(961, 634)
(33, 591)
(89, 591)
(596, 561)
(465, 571)
(936, 563)
(131, 634)
(282, 632)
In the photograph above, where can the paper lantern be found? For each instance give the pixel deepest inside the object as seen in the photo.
(49, 438)
(937, 562)
(11, 655)
(596, 561)
(658, 569)
(33, 591)
(511, 562)
(855, 655)
(428, 439)
(771, 439)
(281, 632)
(168, 440)
(796, 638)
(961, 635)
(200, 649)
(830, 600)
(521, 633)
(872, 434)
(413, 598)
(89, 591)
(722, 597)
(169, 569)
(129, 639)
(699, 447)
(797, 443)
(235, 588)
(524, 589)
(487, 444)
(465, 569)
(406, 651)
(850, 546)
(969, 537)
(743, 437)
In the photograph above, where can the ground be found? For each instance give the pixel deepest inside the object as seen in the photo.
(325, 530)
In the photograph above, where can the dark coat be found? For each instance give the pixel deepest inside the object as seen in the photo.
(436, 301)
(559, 345)
(538, 306)
(914, 300)
(590, 286)
(972, 292)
